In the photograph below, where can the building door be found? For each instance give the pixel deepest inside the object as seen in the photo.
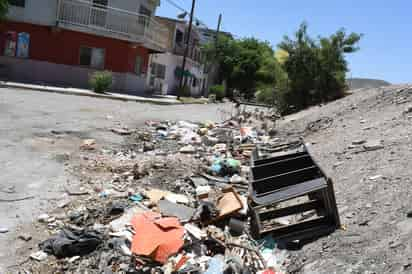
(98, 15)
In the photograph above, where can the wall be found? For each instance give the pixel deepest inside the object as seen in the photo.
(133, 5)
(42, 12)
(60, 46)
(172, 61)
(63, 47)
(40, 72)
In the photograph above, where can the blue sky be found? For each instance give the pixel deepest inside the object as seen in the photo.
(385, 49)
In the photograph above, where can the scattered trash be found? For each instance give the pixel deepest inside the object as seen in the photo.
(25, 237)
(43, 218)
(171, 209)
(88, 144)
(39, 256)
(156, 237)
(121, 131)
(376, 177)
(69, 243)
(167, 212)
(188, 149)
(292, 176)
(76, 190)
(373, 145)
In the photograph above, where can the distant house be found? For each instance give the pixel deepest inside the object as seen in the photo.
(166, 68)
(62, 42)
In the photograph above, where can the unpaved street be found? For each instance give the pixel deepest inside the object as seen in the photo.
(39, 131)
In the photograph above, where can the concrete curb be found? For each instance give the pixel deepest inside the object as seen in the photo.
(94, 95)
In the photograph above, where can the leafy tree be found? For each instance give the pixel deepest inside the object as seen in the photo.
(316, 68)
(4, 7)
(244, 64)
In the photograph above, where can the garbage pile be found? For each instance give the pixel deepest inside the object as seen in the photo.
(177, 203)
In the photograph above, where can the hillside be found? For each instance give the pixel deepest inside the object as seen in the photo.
(357, 83)
(373, 188)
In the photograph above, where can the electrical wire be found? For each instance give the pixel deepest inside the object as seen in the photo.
(177, 6)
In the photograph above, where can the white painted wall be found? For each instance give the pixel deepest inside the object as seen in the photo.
(133, 5)
(172, 61)
(41, 12)
(44, 12)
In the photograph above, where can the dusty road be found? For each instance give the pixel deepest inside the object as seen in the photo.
(37, 133)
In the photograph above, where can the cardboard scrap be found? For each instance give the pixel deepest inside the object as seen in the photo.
(156, 237)
(184, 213)
(155, 195)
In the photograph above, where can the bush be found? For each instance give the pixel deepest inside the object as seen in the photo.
(218, 91)
(265, 96)
(101, 81)
(184, 91)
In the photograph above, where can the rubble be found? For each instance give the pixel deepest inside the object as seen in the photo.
(39, 256)
(175, 200)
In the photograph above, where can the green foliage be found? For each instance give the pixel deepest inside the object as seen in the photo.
(218, 91)
(4, 7)
(302, 72)
(265, 96)
(316, 68)
(244, 64)
(101, 81)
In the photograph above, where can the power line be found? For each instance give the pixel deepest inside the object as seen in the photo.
(177, 6)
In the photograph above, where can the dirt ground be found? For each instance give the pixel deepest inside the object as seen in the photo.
(373, 188)
(40, 135)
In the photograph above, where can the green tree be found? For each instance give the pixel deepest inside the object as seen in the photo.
(316, 69)
(4, 7)
(245, 64)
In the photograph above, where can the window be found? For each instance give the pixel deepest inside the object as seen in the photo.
(100, 3)
(179, 37)
(17, 3)
(92, 57)
(158, 70)
(138, 65)
(145, 11)
(161, 71)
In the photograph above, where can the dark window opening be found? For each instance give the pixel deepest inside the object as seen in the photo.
(17, 3)
(100, 3)
(145, 11)
(179, 37)
(92, 57)
(158, 70)
(138, 65)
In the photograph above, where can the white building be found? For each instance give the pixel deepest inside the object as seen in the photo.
(165, 69)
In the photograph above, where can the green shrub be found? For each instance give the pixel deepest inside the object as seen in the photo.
(101, 81)
(265, 96)
(184, 91)
(218, 91)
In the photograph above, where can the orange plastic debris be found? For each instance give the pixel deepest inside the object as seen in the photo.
(156, 237)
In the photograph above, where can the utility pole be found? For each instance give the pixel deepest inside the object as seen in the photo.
(218, 29)
(183, 83)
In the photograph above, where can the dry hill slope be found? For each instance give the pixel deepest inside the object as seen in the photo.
(373, 188)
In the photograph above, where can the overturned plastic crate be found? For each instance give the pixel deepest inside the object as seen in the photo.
(291, 197)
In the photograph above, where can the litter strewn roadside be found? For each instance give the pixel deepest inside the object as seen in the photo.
(177, 201)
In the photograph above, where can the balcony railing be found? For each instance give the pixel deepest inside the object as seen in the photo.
(96, 18)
